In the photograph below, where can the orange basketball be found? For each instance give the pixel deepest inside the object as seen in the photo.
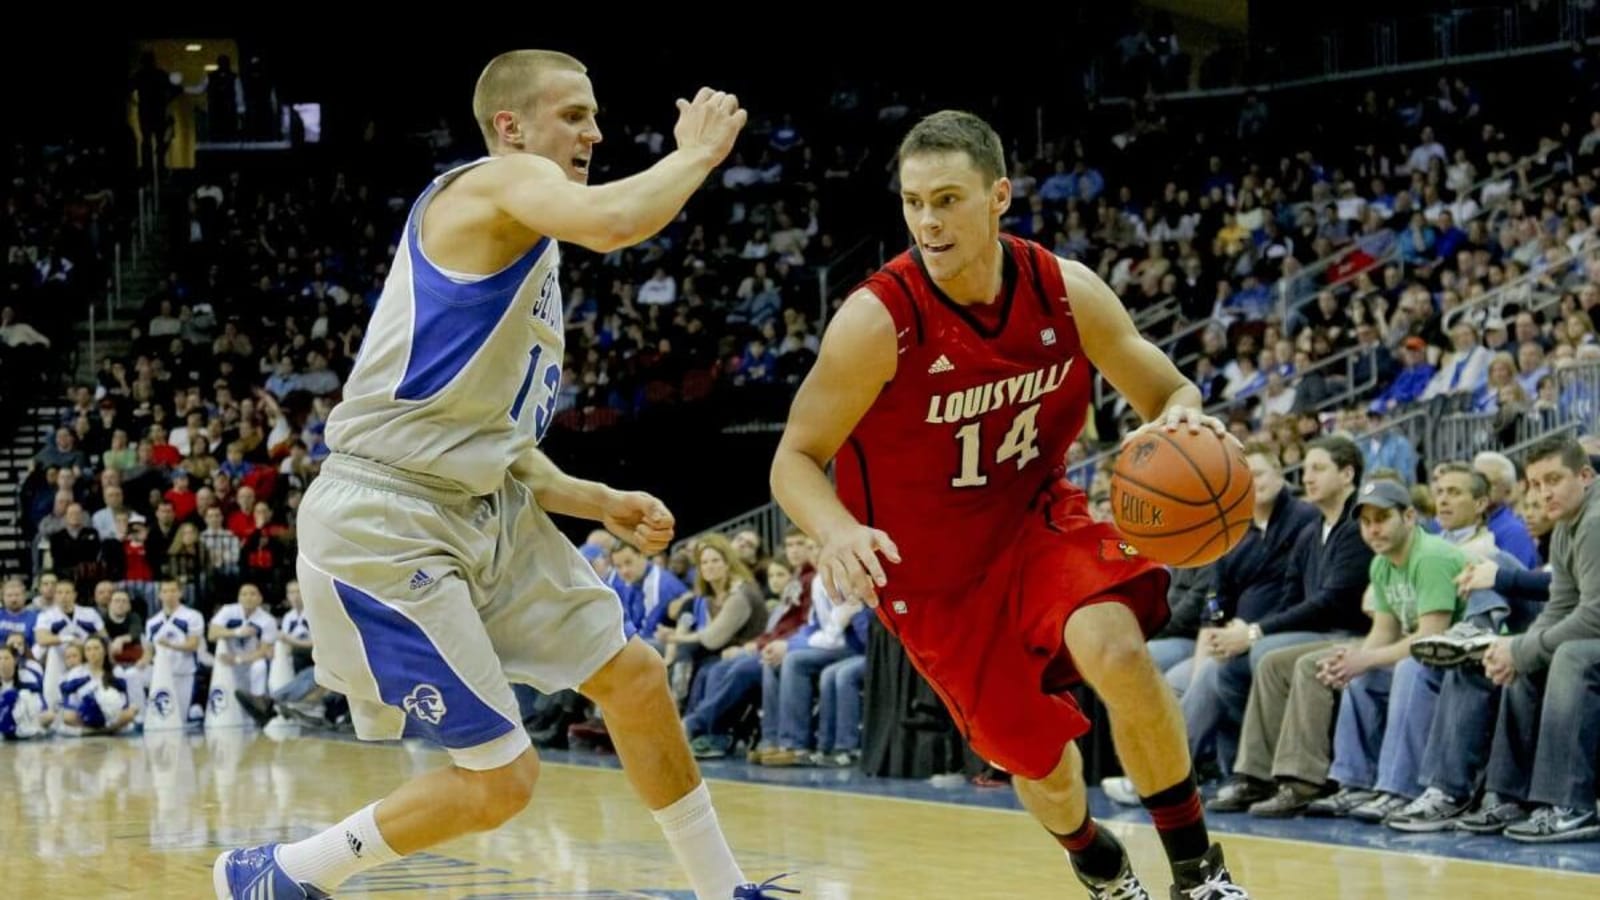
(1182, 499)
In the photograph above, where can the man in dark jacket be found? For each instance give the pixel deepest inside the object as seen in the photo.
(1325, 580)
(1252, 584)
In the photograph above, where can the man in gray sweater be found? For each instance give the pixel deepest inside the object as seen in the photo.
(1547, 737)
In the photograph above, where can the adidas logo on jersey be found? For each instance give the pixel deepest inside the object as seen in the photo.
(420, 580)
(353, 842)
(942, 364)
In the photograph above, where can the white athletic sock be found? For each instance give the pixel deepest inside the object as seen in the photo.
(696, 840)
(327, 860)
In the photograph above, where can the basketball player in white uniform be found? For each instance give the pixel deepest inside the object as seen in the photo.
(430, 569)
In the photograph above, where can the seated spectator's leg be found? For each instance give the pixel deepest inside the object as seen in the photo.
(710, 671)
(1516, 736)
(1358, 736)
(1413, 702)
(1179, 676)
(771, 705)
(1233, 681)
(827, 707)
(738, 683)
(800, 670)
(1304, 750)
(849, 677)
(1265, 714)
(1168, 652)
(1202, 708)
(1457, 747)
(303, 683)
(1569, 735)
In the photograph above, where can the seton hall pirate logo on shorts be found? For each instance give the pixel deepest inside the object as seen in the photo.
(162, 701)
(425, 703)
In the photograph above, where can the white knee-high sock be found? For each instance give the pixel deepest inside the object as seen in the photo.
(328, 859)
(691, 828)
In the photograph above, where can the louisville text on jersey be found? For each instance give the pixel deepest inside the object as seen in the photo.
(958, 406)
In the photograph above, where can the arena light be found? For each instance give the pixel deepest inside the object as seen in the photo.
(193, 48)
(211, 67)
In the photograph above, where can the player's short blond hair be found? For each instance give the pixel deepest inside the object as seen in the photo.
(511, 82)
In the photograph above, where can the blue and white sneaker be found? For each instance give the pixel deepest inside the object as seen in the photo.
(254, 874)
(766, 890)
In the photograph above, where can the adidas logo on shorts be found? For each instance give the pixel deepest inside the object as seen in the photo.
(420, 580)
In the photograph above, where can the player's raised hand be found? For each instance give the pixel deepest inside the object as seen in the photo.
(849, 567)
(639, 519)
(710, 122)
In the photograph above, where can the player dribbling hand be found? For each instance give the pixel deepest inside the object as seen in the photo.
(1179, 416)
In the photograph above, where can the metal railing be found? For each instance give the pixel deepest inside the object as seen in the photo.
(769, 521)
(1490, 303)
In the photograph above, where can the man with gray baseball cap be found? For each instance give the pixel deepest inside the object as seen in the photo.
(1388, 702)
(1411, 591)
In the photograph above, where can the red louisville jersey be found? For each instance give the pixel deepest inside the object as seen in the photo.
(983, 405)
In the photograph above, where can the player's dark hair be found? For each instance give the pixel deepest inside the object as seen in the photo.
(952, 131)
(1344, 453)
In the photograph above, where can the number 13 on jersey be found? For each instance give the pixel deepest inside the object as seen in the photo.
(551, 382)
(1021, 443)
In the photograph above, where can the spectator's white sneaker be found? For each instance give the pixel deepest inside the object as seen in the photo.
(1556, 824)
(1493, 815)
(1464, 642)
(1120, 790)
(1433, 811)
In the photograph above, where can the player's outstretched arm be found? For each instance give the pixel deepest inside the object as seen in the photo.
(634, 516)
(1139, 371)
(537, 193)
(856, 360)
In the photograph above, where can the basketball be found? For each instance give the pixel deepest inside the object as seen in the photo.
(1180, 498)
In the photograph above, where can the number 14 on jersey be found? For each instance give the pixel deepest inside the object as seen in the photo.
(1020, 443)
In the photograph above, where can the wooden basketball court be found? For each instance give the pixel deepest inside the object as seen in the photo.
(144, 817)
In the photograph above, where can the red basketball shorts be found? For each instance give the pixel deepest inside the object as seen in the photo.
(996, 651)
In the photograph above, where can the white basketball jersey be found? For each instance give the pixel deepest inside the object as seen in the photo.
(457, 376)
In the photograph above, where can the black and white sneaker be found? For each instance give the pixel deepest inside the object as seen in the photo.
(1206, 878)
(1379, 809)
(1555, 824)
(1492, 815)
(1125, 886)
(1433, 811)
(1464, 642)
(1339, 805)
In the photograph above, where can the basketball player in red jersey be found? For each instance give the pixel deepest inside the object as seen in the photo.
(950, 385)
